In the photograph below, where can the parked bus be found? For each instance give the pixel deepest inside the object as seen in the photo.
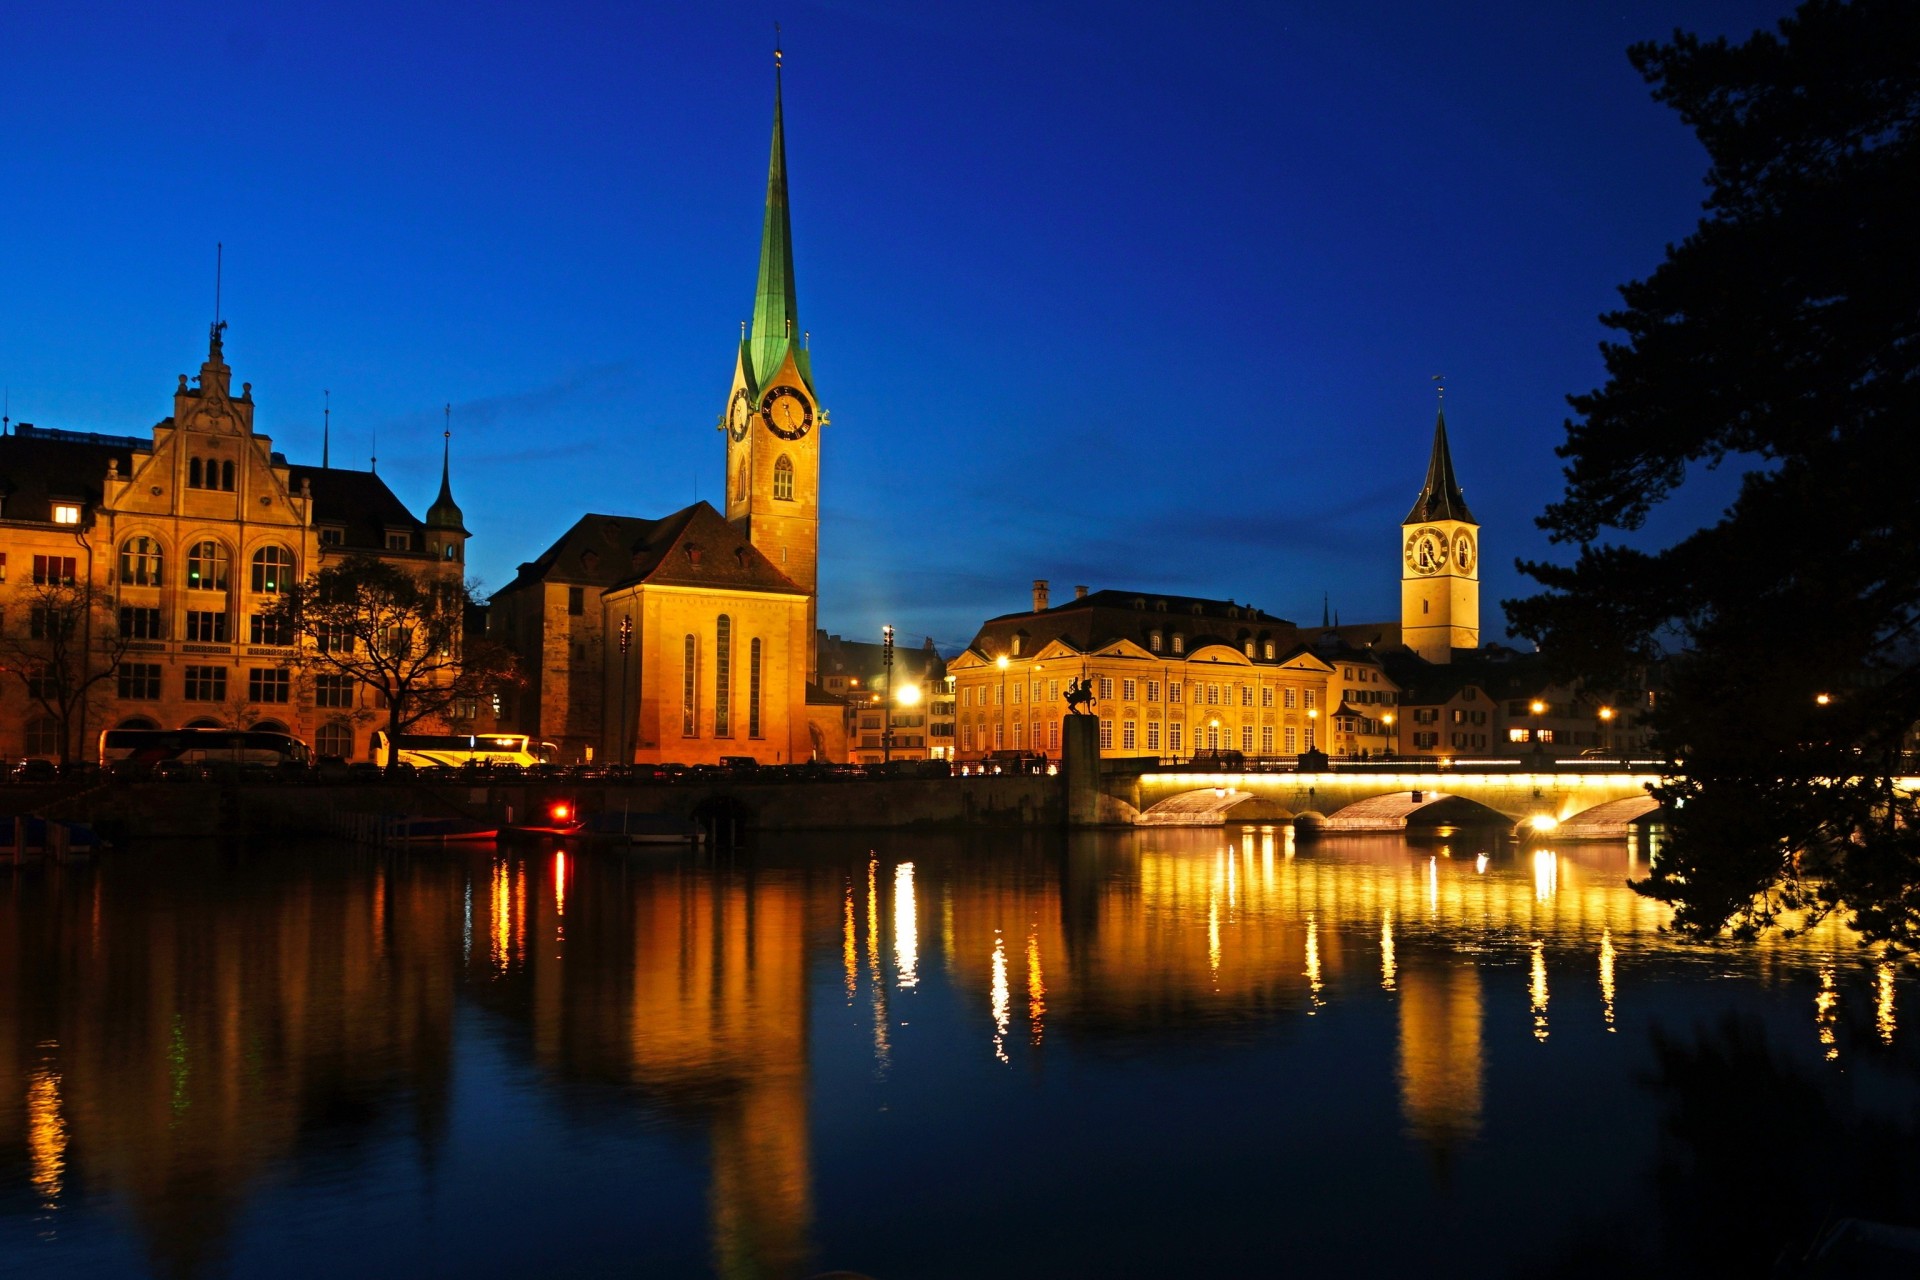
(144, 748)
(481, 750)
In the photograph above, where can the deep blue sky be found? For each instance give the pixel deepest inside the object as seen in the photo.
(1130, 294)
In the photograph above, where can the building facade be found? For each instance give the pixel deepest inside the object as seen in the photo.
(172, 549)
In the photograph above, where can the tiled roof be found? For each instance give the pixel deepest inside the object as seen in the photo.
(359, 501)
(1103, 617)
(38, 466)
(693, 547)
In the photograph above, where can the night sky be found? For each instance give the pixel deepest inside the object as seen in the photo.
(1134, 295)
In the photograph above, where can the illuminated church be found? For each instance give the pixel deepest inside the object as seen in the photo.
(691, 637)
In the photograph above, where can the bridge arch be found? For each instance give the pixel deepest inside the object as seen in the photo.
(1612, 820)
(1394, 811)
(1211, 807)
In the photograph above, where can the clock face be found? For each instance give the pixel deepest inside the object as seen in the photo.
(1427, 551)
(787, 413)
(739, 414)
(1463, 554)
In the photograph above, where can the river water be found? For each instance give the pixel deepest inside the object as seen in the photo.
(928, 1055)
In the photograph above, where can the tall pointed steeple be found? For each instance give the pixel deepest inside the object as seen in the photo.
(776, 308)
(1440, 498)
(445, 512)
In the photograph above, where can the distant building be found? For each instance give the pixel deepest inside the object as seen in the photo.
(186, 536)
(917, 690)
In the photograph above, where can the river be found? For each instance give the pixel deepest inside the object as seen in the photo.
(909, 1055)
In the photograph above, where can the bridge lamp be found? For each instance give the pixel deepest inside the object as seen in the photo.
(1538, 707)
(1543, 822)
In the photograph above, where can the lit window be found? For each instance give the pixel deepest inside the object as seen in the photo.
(66, 513)
(783, 480)
(271, 568)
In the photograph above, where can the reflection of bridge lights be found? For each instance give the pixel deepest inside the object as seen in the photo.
(906, 928)
(1387, 967)
(1480, 864)
(1546, 874)
(1606, 977)
(1002, 998)
(1543, 822)
(1537, 990)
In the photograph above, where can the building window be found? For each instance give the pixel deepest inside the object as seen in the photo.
(1153, 641)
(43, 736)
(1053, 735)
(1308, 694)
(1246, 695)
(270, 629)
(140, 624)
(334, 739)
(1246, 738)
(1016, 693)
(335, 639)
(268, 684)
(1106, 735)
(206, 684)
(1293, 740)
(1266, 739)
(576, 601)
(1266, 695)
(783, 480)
(333, 537)
(1179, 643)
(1106, 688)
(1129, 690)
(1153, 735)
(271, 567)
(50, 620)
(333, 691)
(1128, 736)
(399, 541)
(1153, 691)
(1016, 645)
(1213, 695)
(54, 571)
(1173, 736)
(207, 567)
(999, 735)
(1288, 697)
(723, 677)
(140, 681)
(140, 562)
(753, 688)
(966, 737)
(206, 627)
(1019, 734)
(689, 707)
(1173, 691)
(66, 513)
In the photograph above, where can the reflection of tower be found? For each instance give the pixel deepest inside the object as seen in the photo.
(1440, 563)
(1440, 1059)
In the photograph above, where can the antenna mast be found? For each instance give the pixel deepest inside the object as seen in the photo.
(326, 427)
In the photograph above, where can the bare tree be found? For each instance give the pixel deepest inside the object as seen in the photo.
(400, 634)
(58, 639)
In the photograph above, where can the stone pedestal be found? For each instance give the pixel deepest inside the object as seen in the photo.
(1080, 768)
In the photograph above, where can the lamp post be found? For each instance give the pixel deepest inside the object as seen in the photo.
(1313, 718)
(1002, 663)
(886, 706)
(1393, 743)
(1539, 709)
(626, 641)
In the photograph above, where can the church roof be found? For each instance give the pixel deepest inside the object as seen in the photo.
(445, 512)
(1440, 497)
(693, 547)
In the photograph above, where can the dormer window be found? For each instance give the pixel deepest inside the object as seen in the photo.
(1016, 644)
(399, 540)
(1179, 643)
(1267, 651)
(332, 536)
(66, 513)
(1153, 641)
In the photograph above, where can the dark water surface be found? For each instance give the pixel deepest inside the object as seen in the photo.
(1174, 1053)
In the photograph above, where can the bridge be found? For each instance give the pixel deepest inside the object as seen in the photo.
(1572, 800)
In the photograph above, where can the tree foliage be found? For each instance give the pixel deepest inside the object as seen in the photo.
(1782, 337)
(400, 634)
(59, 642)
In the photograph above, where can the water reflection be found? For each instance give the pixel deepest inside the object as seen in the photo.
(175, 1042)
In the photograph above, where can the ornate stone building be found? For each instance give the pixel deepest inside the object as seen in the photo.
(180, 541)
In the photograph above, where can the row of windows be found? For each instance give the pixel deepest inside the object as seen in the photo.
(209, 474)
(1205, 737)
(141, 682)
(143, 564)
(1212, 694)
(206, 626)
(723, 674)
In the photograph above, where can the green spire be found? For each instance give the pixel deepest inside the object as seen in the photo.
(776, 310)
(1440, 498)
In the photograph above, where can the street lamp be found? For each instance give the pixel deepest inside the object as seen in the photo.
(1606, 724)
(886, 707)
(1393, 743)
(1002, 663)
(1313, 716)
(1539, 709)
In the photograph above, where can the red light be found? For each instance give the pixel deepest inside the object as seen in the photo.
(562, 811)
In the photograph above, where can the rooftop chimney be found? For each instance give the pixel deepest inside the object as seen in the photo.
(1079, 593)
(1039, 595)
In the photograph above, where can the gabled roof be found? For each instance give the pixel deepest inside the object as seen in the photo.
(1440, 497)
(693, 547)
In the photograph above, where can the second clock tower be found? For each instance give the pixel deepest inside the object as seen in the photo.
(773, 419)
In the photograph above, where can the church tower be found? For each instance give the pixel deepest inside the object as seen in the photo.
(1440, 563)
(773, 417)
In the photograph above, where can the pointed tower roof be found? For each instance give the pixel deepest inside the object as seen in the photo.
(1440, 498)
(776, 307)
(445, 512)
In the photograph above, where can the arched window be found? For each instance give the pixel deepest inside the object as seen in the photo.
(204, 722)
(722, 677)
(783, 479)
(753, 689)
(335, 738)
(207, 566)
(740, 480)
(136, 722)
(271, 568)
(226, 476)
(140, 562)
(267, 726)
(1179, 643)
(193, 474)
(689, 674)
(43, 736)
(1153, 641)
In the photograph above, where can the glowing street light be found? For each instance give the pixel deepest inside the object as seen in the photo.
(1823, 699)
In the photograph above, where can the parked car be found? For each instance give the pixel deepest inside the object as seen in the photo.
(178, 771)
(36, 770)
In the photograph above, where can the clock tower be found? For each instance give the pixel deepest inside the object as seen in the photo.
(1440, 563)
(773, 419)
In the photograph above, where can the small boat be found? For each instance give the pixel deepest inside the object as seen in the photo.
(439, 830)
(636, 829)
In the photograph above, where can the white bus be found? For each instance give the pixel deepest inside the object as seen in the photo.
(149, 747)
(481, 750)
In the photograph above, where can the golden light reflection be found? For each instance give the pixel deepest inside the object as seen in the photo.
(906, 928)
(877, 989)
(502, 916)
(1433, 886)
(46, 1136)
(1387, 967)
(1546, 874)
(1213, 933)
(1537, 990)
(1883, 1002)
(1606, 977)
(1480, 864)
(559, 883)
(1036, 990)
(850, 945)
(1441, 1067)
(1002, 997)
(1826, 1011)
(520, 913)
(1314, 983)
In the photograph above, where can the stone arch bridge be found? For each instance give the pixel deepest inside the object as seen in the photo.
(1571, 801)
